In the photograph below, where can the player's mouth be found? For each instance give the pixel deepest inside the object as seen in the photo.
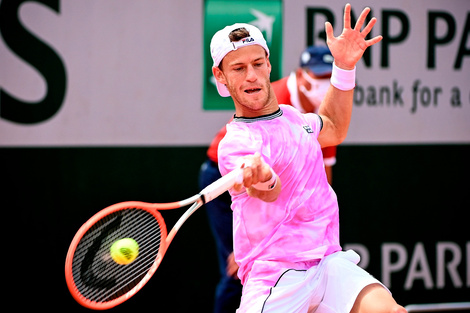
(252, 90)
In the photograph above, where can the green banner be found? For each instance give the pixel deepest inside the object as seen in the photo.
(266, 15)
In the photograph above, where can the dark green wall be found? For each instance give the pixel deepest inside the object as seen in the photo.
(403, 194)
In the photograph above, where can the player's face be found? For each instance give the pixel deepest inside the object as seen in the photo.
(246, 74)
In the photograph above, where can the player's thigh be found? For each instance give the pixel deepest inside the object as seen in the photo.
(375, 298)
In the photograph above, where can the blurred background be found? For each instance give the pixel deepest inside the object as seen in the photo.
(113, 100)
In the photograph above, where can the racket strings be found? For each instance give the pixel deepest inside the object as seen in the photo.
(97, 277)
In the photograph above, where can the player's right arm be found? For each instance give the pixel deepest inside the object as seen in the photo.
(259, 179)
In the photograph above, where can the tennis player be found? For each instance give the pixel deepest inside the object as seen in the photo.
(285, 214)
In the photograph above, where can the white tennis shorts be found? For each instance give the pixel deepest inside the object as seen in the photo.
(331, 286)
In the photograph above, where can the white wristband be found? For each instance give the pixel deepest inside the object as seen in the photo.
(343, 79)
(267, 185)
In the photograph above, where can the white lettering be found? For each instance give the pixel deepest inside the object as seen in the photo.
(451, 266)
(387, 266)
(419, 268)
(362, 251)
(468, 264)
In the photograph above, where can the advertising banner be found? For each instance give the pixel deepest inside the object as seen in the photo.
(412, 87)
(88, 73)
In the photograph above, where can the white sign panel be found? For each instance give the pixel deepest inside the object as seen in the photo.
(132, 73)
(414, 86)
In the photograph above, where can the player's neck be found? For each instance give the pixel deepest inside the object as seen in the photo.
(271, 106)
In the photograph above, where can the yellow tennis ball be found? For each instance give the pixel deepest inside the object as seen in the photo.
(124, 251)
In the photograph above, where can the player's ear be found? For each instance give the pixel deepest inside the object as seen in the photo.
(219, 75)
(268, 63)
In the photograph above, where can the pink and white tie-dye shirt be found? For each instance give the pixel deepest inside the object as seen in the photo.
(303, 223)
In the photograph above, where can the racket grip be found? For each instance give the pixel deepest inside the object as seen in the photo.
(222, 185)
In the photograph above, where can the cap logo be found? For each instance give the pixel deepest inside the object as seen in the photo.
(241, 42)
(305, 57)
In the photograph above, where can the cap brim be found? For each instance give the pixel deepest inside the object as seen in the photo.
(222, 89)
(321, 70)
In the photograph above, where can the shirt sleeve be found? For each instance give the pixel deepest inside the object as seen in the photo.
(315, 121)
(321, 122)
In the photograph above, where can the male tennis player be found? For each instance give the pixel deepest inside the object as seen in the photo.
(285, 214)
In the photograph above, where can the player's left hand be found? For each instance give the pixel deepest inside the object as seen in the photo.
(348, 48)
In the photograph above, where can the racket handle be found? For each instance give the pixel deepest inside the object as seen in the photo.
(222, 185)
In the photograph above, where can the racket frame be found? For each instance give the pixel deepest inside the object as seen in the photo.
(207, 194)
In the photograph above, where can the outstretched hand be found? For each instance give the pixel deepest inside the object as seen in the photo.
(348, 48)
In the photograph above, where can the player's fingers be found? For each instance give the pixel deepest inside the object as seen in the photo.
(256, 170)
(373, 41)
(368, 27)
(361, 19)
(259, 167)
(347, 16)
(329, 31)
(238, 186)
(263, 170)
(247, 177)
(251, 175)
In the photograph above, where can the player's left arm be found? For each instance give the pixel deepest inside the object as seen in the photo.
(347, 49)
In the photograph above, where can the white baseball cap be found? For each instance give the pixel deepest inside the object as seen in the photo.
(221, 45)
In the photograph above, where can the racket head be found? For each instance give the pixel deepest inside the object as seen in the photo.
(92, 276)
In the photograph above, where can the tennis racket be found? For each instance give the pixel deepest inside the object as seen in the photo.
(92, 276)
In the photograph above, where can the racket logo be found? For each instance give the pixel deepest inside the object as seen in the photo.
(86, 271)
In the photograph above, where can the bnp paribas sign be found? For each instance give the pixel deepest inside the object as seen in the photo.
(266, 15)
